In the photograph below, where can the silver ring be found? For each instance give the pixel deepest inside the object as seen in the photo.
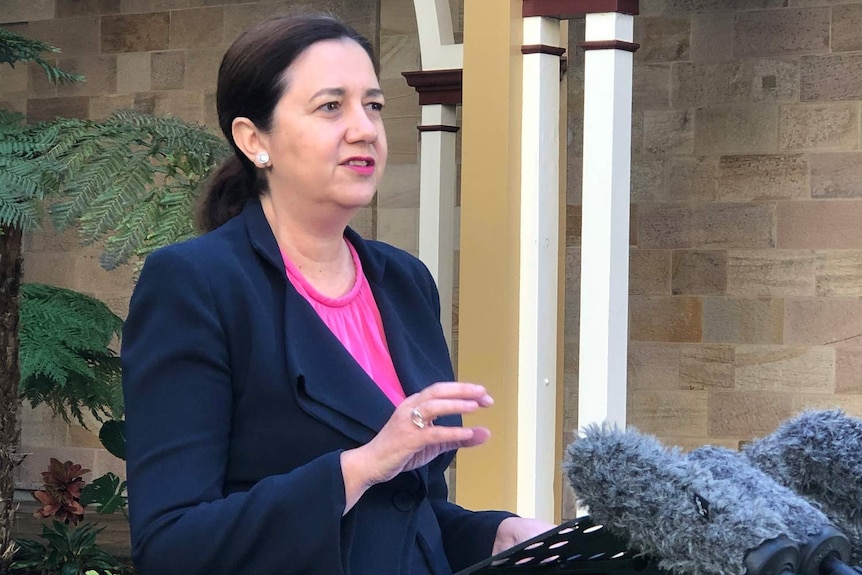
(418, 420)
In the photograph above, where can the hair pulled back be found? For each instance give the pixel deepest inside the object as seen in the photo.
(251, 80)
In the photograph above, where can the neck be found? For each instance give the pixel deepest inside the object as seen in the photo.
(317, 248)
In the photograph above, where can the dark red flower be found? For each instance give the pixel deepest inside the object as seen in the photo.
(60, 498)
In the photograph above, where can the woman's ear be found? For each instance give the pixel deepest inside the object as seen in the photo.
(250, 141)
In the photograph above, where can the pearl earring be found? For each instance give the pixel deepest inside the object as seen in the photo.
(263, 158)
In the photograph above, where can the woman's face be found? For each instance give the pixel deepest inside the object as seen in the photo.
(327, 144)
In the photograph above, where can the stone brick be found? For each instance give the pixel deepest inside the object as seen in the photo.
(823, 321)
(40, 86)
(846, 23)
(573, 225)
(743, 320)
(705, 367)
(662, 39)
(47, 109)
(91, 278)
(399, 227)
(400, 187)
(850, 404)
(823, 127)
(831, 77)
(398, 54)
(138, 6)
(145, 102)
(73, 36)
(836, 175)
(27, 10)
(202, 69)
(653, 366)
(747, 414)
(692, 179)
(782, 368)
(651, 86)
(774, 273)
(403, 139)
(782, 32)
(848, 370)
(647, 183)
(197, 28)
(168, 70)
(14, 102)
(697, 6)
(699, 272)
(749, 129)
(649, 272)
(211, 114)
(100, 73)
(668, 132)
(712, 37)
(185, 105)
(762, 177)
(820, 224)
(669, 319)
(67, 8)
(839, 273)
(637, 131)
(668, 412)
(239, 17)
(134, 72)
(103, 106)
(763, 80)
(136, 32)
(13, 79)
(775, 80)
(575, 176)
(399, 17)
(712, 226)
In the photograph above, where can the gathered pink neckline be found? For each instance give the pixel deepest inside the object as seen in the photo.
(340, 301)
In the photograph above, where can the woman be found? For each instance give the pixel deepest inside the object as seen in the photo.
(281, 374)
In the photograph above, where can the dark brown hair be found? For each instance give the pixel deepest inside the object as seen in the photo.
(251, 81)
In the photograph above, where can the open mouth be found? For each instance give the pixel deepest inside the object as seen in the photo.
(360, 162)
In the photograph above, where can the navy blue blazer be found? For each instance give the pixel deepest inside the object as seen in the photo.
(239, 401)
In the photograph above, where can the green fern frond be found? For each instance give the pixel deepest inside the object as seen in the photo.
(15, 48)
(132, 182)
(65, 355)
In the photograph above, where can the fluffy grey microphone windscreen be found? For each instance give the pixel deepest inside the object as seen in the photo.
(665, 506)
(823, 548)
(818, 454)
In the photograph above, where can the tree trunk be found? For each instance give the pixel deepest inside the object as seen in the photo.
(10, 279)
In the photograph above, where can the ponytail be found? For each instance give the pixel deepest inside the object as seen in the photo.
(234, 183)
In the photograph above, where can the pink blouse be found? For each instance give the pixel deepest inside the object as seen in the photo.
(355, 320)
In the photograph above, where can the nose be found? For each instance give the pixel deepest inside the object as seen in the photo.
(362, 127)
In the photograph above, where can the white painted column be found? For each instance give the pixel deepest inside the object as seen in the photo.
(605, 232)
(539, 269)
(437, 179)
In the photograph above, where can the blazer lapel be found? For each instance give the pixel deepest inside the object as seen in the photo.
(329, 384)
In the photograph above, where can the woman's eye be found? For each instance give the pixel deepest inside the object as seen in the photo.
(330, 106)
(376, 106)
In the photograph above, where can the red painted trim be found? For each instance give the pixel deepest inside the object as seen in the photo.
(542, 49)
(436, 86)
(568, 9)
(610, 45)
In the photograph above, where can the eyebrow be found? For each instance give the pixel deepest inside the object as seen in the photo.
(340, 92)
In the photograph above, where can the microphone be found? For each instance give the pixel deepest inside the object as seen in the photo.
(819, 455)
(823, 550)
(673, 510)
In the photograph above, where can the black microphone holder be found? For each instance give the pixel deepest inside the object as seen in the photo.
(578, 547)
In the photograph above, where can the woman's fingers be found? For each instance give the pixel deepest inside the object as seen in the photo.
(454, 390)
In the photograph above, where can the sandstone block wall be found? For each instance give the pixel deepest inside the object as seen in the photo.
(746, 251)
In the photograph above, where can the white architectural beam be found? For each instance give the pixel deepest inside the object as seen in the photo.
(605, 233)
(437, 179)
(539, 268)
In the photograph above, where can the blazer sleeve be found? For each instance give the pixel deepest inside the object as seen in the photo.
(178, 394)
